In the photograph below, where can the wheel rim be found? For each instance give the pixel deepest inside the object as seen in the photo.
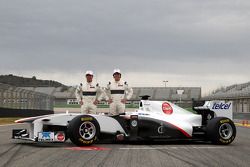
(226, 131)
(87, 130)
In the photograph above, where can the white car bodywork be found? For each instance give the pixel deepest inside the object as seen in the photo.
(179, 118)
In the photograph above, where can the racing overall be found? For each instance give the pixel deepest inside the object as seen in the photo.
(88, 93)
(116, 91)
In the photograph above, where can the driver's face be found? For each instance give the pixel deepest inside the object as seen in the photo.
(89, 78)
(117, 76)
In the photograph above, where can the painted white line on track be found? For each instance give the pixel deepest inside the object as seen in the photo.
(166, 148)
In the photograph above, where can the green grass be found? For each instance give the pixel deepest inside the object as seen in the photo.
(98, 106)
(66, 106)
(191, 110)
(8, 120)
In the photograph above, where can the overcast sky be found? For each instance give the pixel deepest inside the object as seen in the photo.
(187, 42)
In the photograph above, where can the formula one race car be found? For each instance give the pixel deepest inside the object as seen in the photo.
(153, 121)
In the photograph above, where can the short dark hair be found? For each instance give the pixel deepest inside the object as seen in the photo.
(117, 73)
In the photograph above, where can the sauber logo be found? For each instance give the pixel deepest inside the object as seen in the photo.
(60, 136)
(221, 106)
(166, 108)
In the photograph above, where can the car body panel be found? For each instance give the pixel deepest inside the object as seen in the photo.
(175, 123)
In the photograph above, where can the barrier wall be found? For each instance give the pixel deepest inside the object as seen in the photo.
(8, 112)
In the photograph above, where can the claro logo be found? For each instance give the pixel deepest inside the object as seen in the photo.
(221, 106)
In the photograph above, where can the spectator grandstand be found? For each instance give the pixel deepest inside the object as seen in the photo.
(167, 93)
(233, 91)
(17, 101)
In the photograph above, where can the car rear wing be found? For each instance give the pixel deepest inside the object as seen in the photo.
(219, 108)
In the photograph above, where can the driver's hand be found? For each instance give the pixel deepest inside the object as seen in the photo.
(81, 103)
(96, 102)
(110, 101)
(124, 101)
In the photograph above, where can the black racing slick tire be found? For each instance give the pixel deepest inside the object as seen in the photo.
(83, 130)
(221, 130)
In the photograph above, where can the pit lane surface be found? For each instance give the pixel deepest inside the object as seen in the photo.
(25, 153)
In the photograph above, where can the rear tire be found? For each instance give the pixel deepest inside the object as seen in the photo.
(83, 130)
(221, 130)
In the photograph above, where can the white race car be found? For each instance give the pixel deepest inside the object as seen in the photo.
(153, 121)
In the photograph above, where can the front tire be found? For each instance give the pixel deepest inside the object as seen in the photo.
(221, 130)
(83, 130)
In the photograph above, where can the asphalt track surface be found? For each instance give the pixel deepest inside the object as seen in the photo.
(24, 153)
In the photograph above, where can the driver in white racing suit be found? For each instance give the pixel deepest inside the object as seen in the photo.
(118, 92)
(89, 94)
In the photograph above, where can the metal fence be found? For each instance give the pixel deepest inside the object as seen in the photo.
(18, 98)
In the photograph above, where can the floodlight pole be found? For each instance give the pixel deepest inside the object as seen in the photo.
(165, 83)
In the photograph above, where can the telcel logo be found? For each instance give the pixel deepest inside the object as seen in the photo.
(222, 106)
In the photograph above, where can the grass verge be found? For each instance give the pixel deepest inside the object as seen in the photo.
(8, 120)
(98, 106)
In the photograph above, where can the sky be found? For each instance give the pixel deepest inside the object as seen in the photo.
(186, 42)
